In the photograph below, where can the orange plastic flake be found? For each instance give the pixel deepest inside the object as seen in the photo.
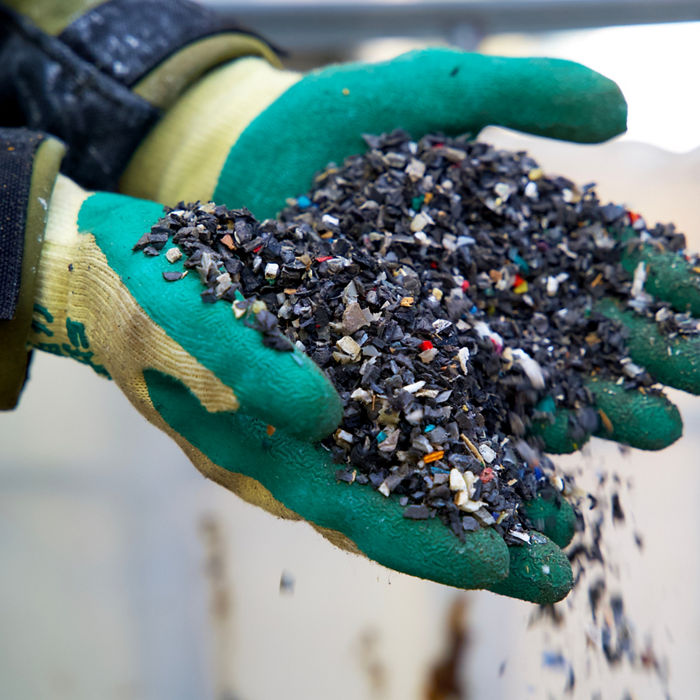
(271, 429)
(633, 216)
(607, 423)
(521, 288)
(434, 456)
(228, 241)
(428, 197)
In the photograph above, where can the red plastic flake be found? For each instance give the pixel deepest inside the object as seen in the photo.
(465, 285)
(323, 258)
(633, 216)
(426, 345)
(486, 474)
(434, 265)
(258, 249)
(518, 280)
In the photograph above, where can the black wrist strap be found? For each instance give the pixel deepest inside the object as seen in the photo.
(17, 149)
(125, 39)
(77, 86)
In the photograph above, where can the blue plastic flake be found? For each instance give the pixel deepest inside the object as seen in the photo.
(518, 260)
(538, 473)
(428, 428)
(381, 436)
(439, 470)
(474, 309)
(303, 202)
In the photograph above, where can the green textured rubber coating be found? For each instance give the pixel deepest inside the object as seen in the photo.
(648, 422)
(539, 572)
(321, 118)
(556, 519)
(669, 277)
(285, 389)
(556, 434)
(674, 362)
(302, 477)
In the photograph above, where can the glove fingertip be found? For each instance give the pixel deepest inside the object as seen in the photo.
(641, 420)
(539, 572)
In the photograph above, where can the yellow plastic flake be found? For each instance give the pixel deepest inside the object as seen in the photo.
(521, 288)
(535, 174)
(434, 456)
(502, 517)
(346, 91)
(407, 301)
(472, 448)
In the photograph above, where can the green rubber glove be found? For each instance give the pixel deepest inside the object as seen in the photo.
(253, 135)
(649, 422)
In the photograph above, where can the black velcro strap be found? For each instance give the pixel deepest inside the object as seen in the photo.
(126, 39)
(17, 149)
(62, 94)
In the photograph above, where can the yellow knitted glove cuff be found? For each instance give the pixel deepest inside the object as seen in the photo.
(183, 155)
(83, 310)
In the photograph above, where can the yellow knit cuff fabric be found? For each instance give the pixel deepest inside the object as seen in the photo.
(182, 157)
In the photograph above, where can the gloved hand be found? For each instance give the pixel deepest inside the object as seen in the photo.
(252, 135)
(235, 406)
(249, 134)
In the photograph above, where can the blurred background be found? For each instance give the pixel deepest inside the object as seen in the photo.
(125, 574)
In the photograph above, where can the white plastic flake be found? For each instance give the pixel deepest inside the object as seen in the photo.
(463, 357)
(531, 367)
(487, 453)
